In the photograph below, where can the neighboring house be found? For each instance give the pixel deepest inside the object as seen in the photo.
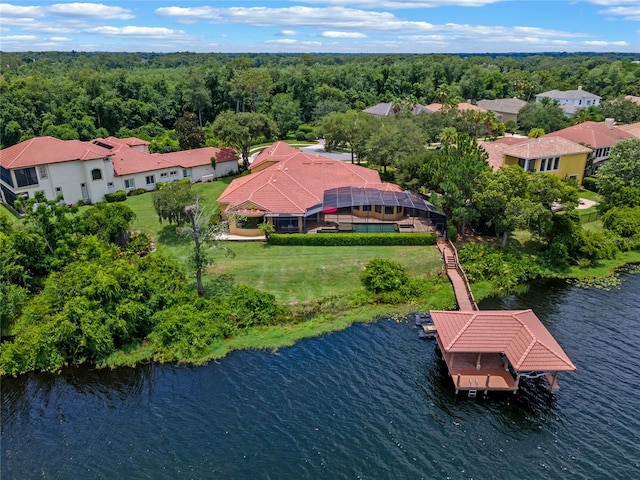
(86, 171)
(571, 100)
(599, 136)
(632, 98)
(71, 168)
(506, 109)
(389, 108)
(296, 191)
(555, 155)
(462, 106)
(632, 129)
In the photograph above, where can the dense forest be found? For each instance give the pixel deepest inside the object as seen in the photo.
(88, 95)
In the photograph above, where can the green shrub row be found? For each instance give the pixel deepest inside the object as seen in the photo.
(353, 239)
(590, 183)
(136, 191)
(119, 196)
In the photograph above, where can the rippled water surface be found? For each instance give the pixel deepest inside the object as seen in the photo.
(370, 402)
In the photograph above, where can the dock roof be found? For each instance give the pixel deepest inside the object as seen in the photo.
(519, 334)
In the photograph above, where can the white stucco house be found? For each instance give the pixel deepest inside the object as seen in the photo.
(570, 100)
(86, 171)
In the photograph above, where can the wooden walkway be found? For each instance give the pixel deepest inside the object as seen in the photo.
(464, 296)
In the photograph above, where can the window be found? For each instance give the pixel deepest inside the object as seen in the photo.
(130, 183)
(42, 170)
(173, 173)
(250, 223)
(356, 207)
(5, 175)
(150, 179)
(528, 165)
(549, 164)
(366, 208)
(26, 176)
(164, 175)
(378, 208)
(186, 173)
(388, 210)
(96, 174)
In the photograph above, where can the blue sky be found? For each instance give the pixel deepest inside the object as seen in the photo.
(314, 26)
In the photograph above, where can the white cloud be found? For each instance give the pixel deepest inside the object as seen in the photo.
(600, 43)
(613, 2)
(9, 10)
(283, 41)
(311, 43)
(288, 32)
(629, 13)
(334, 34)
(19, 38)
(401, 4)
(133, 31)
(90, 10)
(60, 39)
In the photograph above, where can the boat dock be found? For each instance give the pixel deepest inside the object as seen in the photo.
(491, 350)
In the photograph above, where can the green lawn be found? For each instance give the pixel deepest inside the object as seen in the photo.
(293, 274)
(589, 195)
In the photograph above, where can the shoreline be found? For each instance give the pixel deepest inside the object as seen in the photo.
(282, 336)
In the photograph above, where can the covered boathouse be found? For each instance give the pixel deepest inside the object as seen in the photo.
(493, 350)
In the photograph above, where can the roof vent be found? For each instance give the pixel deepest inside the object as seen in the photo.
(609, 122)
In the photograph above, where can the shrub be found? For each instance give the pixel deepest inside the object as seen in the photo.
(590, 183)
(119, 196)
(306, 128)
(301, 136)
(310, 137)
(136, 191)
(384, 276)
(353, 239)
(452, 232)
(623, 221)
(251, 307)
(159, 185)
(184, 181)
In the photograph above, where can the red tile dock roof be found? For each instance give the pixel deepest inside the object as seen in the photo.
(519, 334)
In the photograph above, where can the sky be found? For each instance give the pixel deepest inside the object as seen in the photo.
(323, 26)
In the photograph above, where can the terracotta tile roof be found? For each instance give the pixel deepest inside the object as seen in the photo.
(545, 146)
(127, 160)
(276, 152)
(503, 105)
(519, 334)
(496, 153)
(298, 182)
(462, 106)
(45, 150)
(200, 156)
(632, 98)
(592, 134)
(633, 129)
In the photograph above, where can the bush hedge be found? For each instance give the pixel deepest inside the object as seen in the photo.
(353, 239)
(119, 196)
(590, 183)
(136, 191)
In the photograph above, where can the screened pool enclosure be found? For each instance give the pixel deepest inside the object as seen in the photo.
(352, 209)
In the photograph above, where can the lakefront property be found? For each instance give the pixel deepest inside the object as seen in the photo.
(301, 193)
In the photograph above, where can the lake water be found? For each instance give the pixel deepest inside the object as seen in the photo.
(370, 402)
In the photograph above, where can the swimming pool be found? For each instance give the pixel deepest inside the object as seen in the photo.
(374, 227)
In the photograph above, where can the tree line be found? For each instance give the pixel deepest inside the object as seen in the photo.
(84, 96)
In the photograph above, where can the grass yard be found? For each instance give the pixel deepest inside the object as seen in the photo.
(298, 273)
(292, 273)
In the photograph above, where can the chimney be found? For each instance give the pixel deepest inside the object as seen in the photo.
(580, 87)
(609, 122)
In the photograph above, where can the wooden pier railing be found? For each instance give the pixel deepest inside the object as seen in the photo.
(458, 278)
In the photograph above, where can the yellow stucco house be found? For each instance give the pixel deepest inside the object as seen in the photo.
(554, 155)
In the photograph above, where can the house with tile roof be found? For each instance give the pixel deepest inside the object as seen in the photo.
(570, 100)
(385, 109)
(506, 109)
(293, 193)
(462, 106)
(273, 154)
(599, 136)
(71, 168)
(632, 129)
(86, 171)
(555, 155)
